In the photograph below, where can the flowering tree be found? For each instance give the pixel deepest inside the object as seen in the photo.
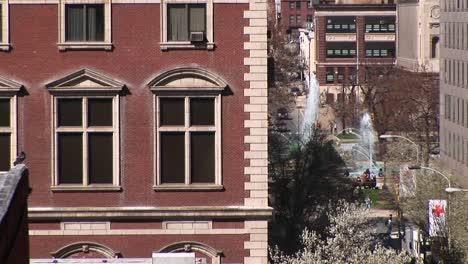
(349, 239)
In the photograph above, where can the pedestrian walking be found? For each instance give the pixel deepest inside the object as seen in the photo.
(389, 223)
(368, 202)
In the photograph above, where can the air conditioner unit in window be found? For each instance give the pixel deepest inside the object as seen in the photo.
(197, 36)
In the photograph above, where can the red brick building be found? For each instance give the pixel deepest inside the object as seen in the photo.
(350, 39)
(144, 123)
(296, 14)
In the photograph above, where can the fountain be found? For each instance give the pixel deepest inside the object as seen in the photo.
(311, 110)
(367, 139)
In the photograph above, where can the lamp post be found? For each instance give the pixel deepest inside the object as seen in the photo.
(407, 139)
(449, 190)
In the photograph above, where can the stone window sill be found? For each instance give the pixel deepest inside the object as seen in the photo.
(85, 46)
(186, 187)
(5, 46)
(186, 45)
(90, 188)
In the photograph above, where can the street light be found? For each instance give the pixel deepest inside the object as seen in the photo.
(452, 190)
(449, 190)
(407, 139)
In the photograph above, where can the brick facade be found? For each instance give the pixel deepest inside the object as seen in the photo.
(135, 212)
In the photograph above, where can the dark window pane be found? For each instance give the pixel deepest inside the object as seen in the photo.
(202, 157)
(5, 152)
(172, 111)
(202, 111)
(177, 22)
(4, 112)
(197, 18)
(74, 17)
(95, 22)
(100, 158)
(69, 112)
(70, 158)
(172, 158)
(100, 112)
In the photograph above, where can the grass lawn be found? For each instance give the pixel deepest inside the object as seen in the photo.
(381, 199)
(347, 136)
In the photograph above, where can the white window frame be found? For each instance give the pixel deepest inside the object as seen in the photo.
(4, 30)
(85, 130)
(165, 44)
(10, 91)
(187, 129)
(67, 88)
(80, 45)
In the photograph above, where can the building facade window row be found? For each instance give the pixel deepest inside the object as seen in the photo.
(456, 73)
(373, 24)
(86, 132)
(87, 24)
(456, 110)
(454, 5)
(455, 35)
(456, 147)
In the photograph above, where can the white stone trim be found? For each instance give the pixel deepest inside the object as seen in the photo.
(5, 29)
(179, 212)
(165, 44)
(67, 45)
(221, 231)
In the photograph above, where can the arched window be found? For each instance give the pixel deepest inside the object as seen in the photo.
(435, 47)
(187, 103)
(85, 250)
(201, 250)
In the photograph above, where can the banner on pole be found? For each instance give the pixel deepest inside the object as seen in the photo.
(437, 210)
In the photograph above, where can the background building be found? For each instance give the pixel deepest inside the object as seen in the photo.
(418, 35)
(454, 88)
(297, 14)
(351, 39)
(144, 122)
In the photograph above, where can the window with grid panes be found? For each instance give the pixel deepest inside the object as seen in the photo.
(85, 137)
(6, 131)
(187, 135)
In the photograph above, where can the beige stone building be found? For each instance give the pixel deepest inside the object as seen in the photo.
(454, 88)
(418, 35)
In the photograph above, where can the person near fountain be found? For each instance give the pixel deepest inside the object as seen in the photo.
(381, 172)
(368, 202)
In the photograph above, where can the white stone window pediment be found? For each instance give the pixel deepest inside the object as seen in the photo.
(188, 79)
(85, 247)
(7, 85)
(85, 80)
(193, 246)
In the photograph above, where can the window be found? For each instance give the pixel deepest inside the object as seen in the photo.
(187, 25)
(341, 25)
(187, 105)
(184, 19)
(298, 20)
(187, 139)
(380, 49)
(85, 24)
(298, 4)
(292, 20)
(4, 36)
(8, 136)
(6, 133)
(85, 132)
(310, 4)
(309, 18)
(292, 5)
(330, 75)
(379, 24)
(341, 49)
